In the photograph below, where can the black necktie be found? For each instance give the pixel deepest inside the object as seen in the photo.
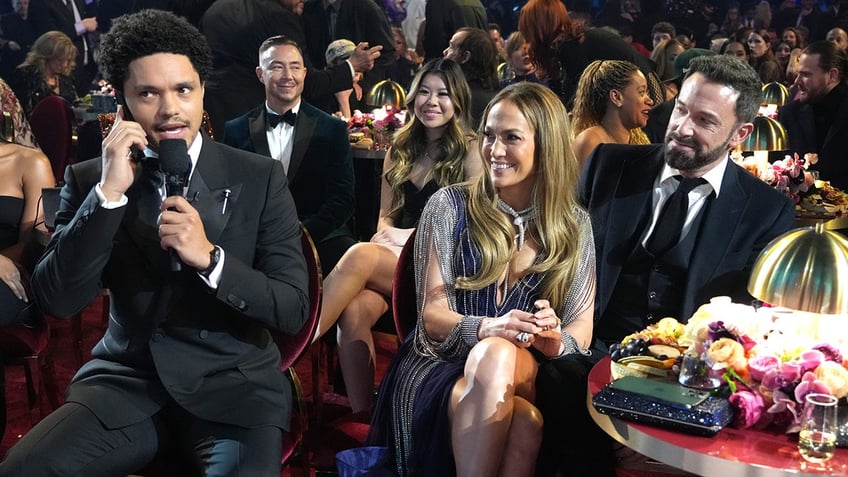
(274, 119)
(672, 217)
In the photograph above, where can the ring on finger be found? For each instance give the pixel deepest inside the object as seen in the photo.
(522, 337)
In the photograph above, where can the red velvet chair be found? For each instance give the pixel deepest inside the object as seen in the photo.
(292, 349)
(54, 127)
(28, 347)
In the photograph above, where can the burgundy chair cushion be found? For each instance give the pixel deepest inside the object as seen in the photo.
(52, 123)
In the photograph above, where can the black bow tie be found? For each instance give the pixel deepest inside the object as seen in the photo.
(274, 119)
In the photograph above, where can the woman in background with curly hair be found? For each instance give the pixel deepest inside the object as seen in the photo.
(435, 148)
(612, 106)
(46, 71)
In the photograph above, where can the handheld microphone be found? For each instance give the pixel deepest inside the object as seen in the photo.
(176, 165)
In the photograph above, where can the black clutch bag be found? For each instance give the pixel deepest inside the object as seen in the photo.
(704, 418)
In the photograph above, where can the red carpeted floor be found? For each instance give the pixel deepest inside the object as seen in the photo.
(336, 431)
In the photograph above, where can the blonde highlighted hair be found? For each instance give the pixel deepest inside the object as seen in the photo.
(554, 195)
(49, 46)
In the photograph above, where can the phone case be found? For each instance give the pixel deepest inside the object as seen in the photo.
(704, 419)
(671, 393)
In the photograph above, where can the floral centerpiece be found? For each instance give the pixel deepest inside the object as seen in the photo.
(771, 359)
(792, 177)
(375, 127)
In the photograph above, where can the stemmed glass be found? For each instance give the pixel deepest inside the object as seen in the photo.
(817, 440)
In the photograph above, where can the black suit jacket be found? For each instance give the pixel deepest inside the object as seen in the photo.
(357, 21)
(169, 335)
(321, 168)
(617, 185)
(235, 29)
(48, 15)
(799, 120)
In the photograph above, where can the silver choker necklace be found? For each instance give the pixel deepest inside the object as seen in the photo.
(520, 218)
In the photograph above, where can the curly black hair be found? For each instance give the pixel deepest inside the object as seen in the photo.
(146, 33)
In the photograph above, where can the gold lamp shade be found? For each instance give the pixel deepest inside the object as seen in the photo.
(768, 135)
(804, 270)
(504, 72)
(775, 93)
(387, 93)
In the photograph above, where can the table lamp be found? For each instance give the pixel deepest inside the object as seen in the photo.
(775, 95)
(768, 135)
(805, 269)
(387, 94)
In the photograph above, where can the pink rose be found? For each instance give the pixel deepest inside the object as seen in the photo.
(749, 408)
(760, 365)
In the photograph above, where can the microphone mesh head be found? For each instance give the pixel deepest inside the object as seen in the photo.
(173, 156)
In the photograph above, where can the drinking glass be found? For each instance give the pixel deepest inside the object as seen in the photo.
(817, 440)
(696, 372)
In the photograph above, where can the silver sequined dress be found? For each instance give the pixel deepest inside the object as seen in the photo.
(411, 413)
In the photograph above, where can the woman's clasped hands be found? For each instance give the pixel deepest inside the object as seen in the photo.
(541, 330)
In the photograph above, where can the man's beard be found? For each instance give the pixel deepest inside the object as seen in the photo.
(681, 161)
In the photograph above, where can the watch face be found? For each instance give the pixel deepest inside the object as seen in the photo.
(214, 258)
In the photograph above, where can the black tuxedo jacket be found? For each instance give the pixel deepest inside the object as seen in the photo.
(799, 120)
(617, 186)
(321, 168)
(169, 334)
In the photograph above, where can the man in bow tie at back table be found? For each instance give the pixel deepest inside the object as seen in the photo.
(187, 363)
(312, 146)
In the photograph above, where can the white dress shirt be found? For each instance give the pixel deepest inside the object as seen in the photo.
(666, 184)
(281, 138)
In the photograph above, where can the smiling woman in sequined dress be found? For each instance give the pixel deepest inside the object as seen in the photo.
(505, 281)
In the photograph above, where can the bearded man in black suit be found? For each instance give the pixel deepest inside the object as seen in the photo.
(312, 146)
(730, 216)
(187, 362)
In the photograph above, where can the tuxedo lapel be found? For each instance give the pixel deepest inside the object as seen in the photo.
(303, 131)
(257, 129)
(210, 191)
(634, 196)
